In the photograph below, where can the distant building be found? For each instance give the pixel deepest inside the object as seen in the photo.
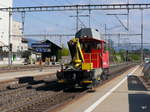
(19, 44)
(24, 44)
(48, 50)
(16, 38)
(4, 29)
(4, 23)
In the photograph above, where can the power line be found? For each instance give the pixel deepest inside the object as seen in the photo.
(68, 35)
(79, 7)
(44, 21)
(121, 22)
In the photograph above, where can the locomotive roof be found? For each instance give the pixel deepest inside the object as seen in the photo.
(88, 33)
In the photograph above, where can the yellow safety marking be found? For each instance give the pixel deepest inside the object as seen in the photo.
(61, 81)
(87, 81)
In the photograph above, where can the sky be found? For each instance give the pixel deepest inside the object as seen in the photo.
(61, 22)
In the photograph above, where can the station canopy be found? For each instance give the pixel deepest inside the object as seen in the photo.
(44, 46)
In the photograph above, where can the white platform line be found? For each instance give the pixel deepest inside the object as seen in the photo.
(100, 100)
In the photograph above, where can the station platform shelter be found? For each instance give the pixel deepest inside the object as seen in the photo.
(49, 50)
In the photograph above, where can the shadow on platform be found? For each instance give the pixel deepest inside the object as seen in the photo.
(51, 85)
(30, 80)
(40, 85)
(139, 100)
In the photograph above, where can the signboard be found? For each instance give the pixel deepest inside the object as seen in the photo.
(42, 49)
(40, 45)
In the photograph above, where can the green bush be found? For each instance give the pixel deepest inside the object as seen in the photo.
(134, 57)
(63, 52)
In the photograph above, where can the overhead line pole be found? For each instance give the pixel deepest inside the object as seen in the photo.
(128, 15)
(89, 14)
(142, 53)
(105, 33)
(9, 40)
(23, 22)
(77, 20)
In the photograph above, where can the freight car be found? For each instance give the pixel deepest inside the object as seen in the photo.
(90, 60)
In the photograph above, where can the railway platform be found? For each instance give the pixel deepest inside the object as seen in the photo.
(24, 71)
(126, 93)
(38, 72)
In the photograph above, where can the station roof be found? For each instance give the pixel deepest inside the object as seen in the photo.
(24, 40)
(46, 42)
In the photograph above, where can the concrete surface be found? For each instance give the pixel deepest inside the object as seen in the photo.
(13, 75)
(129, 96)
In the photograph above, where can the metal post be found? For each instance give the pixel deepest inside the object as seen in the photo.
(128, 21)
(128, 16)
(60, 39)
(106, 37)
(89, 17)
(118, 40)
(142, 55)
(109, 46)
(77, 20)
(23, 21)
(89, 14)
(105, 32)
(9, 40)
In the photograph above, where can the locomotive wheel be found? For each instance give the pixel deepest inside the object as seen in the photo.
(105, 74)
(104, 77)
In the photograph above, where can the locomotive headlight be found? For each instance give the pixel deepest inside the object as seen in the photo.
(58, 70)
(88, 70)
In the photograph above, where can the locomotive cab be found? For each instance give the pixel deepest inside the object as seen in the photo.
(90, 60)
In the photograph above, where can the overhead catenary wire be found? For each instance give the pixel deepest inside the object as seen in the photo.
(45, 22)
(42, 21)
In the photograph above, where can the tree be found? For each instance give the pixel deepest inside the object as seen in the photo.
(63, 52)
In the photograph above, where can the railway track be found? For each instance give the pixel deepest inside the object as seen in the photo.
(42, 95)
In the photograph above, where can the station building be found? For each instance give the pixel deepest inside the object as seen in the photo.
(4, 29)
(49, 50)
(18, 43)
(4, 22)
